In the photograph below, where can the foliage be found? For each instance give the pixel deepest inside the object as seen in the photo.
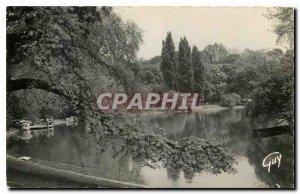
(215, 82)
(249, 69)
(13, 110)
(185, 74)
(283, 17)
(198, 67)
(149, 74)
(48, 47)
(230, 100)
(34, 105)
(61, 46)
(118, 40)
(231, 58)
(76, 50)
(273, 96)
(215, 53)
(190, 154)
(168, 61)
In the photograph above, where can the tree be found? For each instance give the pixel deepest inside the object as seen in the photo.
(68, 52)
(215, 82)
(149, 74)
(168, 62)
(189, 154)
(231, 58)
(198, 67)
(40, 49)
(273, 96)
(118, 40)
(215, 53)
(249, 69)
(283, 17)
(185, 74)
(62, 52)
(230, 100)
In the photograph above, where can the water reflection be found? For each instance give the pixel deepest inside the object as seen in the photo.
(72, 146)
(277, 177)
(225, 125)
(28, 134)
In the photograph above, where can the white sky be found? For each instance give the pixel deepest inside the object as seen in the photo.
(238, 28)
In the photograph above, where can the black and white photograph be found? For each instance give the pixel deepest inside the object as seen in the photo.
(150, 97)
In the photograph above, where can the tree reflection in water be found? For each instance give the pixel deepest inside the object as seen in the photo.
(72, 146)
(235, 129)
(173, 174)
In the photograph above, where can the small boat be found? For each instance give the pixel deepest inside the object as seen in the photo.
(268, 132)
(37, 127)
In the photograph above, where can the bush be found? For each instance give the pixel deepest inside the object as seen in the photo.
(237, 98)
(230, 100)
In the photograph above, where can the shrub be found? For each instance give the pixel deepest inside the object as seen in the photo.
(230, 100)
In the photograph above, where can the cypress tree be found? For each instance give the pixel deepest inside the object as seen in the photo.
(185, 74)
(198, 71)
(168, 63)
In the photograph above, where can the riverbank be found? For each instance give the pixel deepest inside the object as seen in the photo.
(205, 109)
(44, 174)
(11, 132)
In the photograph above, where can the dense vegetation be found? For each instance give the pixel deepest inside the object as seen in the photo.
(273, 98)
(218, 73)
(59, 58)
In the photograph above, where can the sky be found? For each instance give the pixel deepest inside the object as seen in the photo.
(235, 28)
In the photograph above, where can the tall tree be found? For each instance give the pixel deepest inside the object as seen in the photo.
(198, 67)
(215, 53)
(168, 63)
(185, 74)
(61, 50)
(273, 97)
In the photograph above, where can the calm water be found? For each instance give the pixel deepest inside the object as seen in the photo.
(70, 145)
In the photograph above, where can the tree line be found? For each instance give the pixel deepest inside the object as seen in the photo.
(221, 75)
(191, 70)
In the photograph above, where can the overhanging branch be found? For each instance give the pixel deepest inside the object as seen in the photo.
(28, 83)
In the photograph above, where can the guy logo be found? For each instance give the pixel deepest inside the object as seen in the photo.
(272, 159)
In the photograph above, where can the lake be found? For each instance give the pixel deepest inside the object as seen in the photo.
(69, 147)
